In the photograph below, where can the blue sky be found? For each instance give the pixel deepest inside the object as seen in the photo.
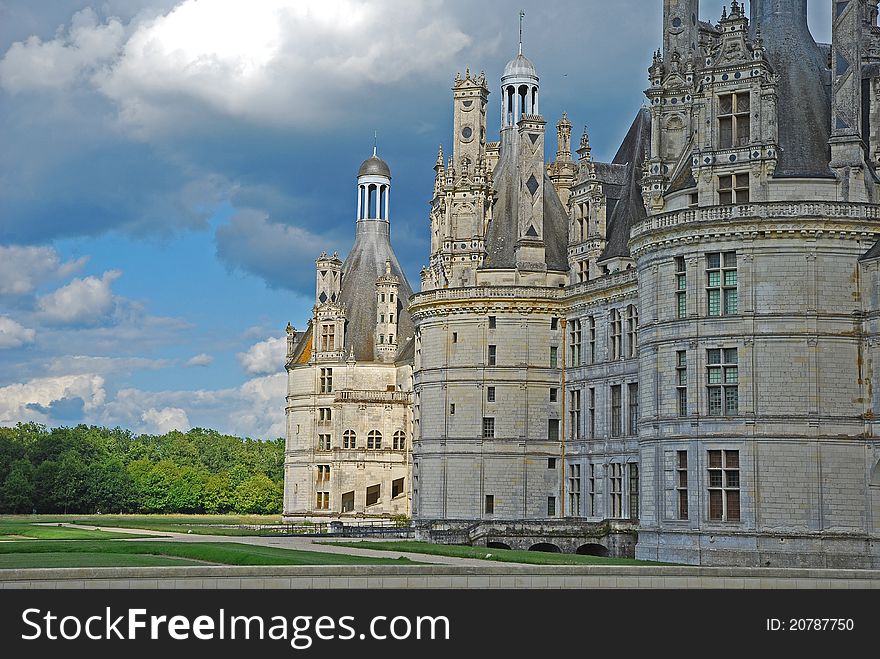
(171, 168)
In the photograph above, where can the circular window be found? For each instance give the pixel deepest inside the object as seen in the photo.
(467, 132)
(676, 22)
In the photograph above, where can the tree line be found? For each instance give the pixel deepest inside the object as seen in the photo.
(89, 469)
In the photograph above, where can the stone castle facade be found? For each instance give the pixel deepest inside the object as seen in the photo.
(680, 342)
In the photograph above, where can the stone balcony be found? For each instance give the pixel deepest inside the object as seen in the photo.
(372, 396)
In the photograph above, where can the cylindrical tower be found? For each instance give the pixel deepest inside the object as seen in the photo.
(374, 189)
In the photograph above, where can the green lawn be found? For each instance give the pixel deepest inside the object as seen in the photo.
(82, 559)
(226, 553)
(14, 531)
(502, 555)
(203, 524)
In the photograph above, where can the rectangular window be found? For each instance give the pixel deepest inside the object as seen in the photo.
(616, 334)
(574, 412)
(733, 189)
(724, 486)
(348, 502)
(616, 491)
(722, 381)
(632, 395)
(721, 284)
(322, 500)
(490, 504)
(616, 429)
(323, 442)
(591, 493)
(574, 342)
(397, 488)
(373, 493)
(633, 490)
(591, 322)
(681, 380)
(490, 394)
(492, 320)
(328, 338)
(326, 380)
(583, 271)
(325, 414)
(488, 427)
(554, 394)
(591, 415)
(693, 200)
(574, 490)
(553, 430)
(323, 474)
(554, 323)
(632, 326)
(451, 408)
(553, 359)
(680, 287)
(551, 463)
(734, 120)
(493, 355)
(681, 483)
(551, 506)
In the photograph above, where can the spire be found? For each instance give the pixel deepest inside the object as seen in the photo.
(375, 143)
(522, 15)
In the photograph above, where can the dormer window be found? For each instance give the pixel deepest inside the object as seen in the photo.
(328, 338)
(733, 189)
(734, 123)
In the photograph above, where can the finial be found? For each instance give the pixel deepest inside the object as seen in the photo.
(375, 143)
(387, 266)
(290, 329)
(522, 15)
(724, 13)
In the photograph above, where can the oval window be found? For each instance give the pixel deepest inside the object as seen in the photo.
(467, 132)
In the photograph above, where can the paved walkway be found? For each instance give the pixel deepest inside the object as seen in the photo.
(289, 542)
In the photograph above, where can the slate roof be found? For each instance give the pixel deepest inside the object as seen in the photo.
(628, 205)
(504, 229)
(804, 98)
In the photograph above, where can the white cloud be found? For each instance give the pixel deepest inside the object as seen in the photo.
(264, 357)
(34, 400)
(14, 335)
(255, 409)
(50, 65)
(82, 301)
(200, 360)
(159, 422)
(22, 269)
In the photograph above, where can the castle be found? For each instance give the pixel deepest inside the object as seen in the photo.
(669, 355)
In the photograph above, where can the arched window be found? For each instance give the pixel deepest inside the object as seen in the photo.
(616, 335)
(349, 439)
(399, 441)
(374, 439)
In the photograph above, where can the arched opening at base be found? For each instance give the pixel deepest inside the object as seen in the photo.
(546, 547)
(497, 545)
(593, 549)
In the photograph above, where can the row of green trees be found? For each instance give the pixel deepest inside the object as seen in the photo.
(88, 469)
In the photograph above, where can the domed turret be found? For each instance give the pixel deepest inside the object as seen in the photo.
(374, 188)
(519, 91)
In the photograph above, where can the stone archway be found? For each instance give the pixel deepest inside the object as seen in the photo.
(592, 549)
(546, 547)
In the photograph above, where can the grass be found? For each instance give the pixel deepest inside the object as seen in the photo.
(225, 553)
(203, 524)
(10, 531)
(82, 559)
(502, 555)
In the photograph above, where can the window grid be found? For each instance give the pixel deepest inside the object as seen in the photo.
(616, 410)
(493, 355)
(724, 484)
(349, 439)
(734, 120)
(328, 338)
(551, 506)
(733, 189)
(398, 441)
(374, 440)
(326, 380)
(554, 351)
(591, 483)
(616, 334)
(574, 490)
(680, 287)
(681, 381)
(633, 490)
(616, 492)
(592, 330)
(633, 400)
(323, 442)
(681, 484)
(488, 427)
(591, 420)
(574, 343)
(632, 326)
(322, 500)
(490, 394)
(722, 381)
(575, 414)
(721, 284)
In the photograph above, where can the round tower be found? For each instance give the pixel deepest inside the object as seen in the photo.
(519, 90)
(374, 189)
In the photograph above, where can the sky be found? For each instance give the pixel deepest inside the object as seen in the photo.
(170, 170)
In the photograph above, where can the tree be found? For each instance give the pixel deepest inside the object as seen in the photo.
(17, 492)
(258, 495)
